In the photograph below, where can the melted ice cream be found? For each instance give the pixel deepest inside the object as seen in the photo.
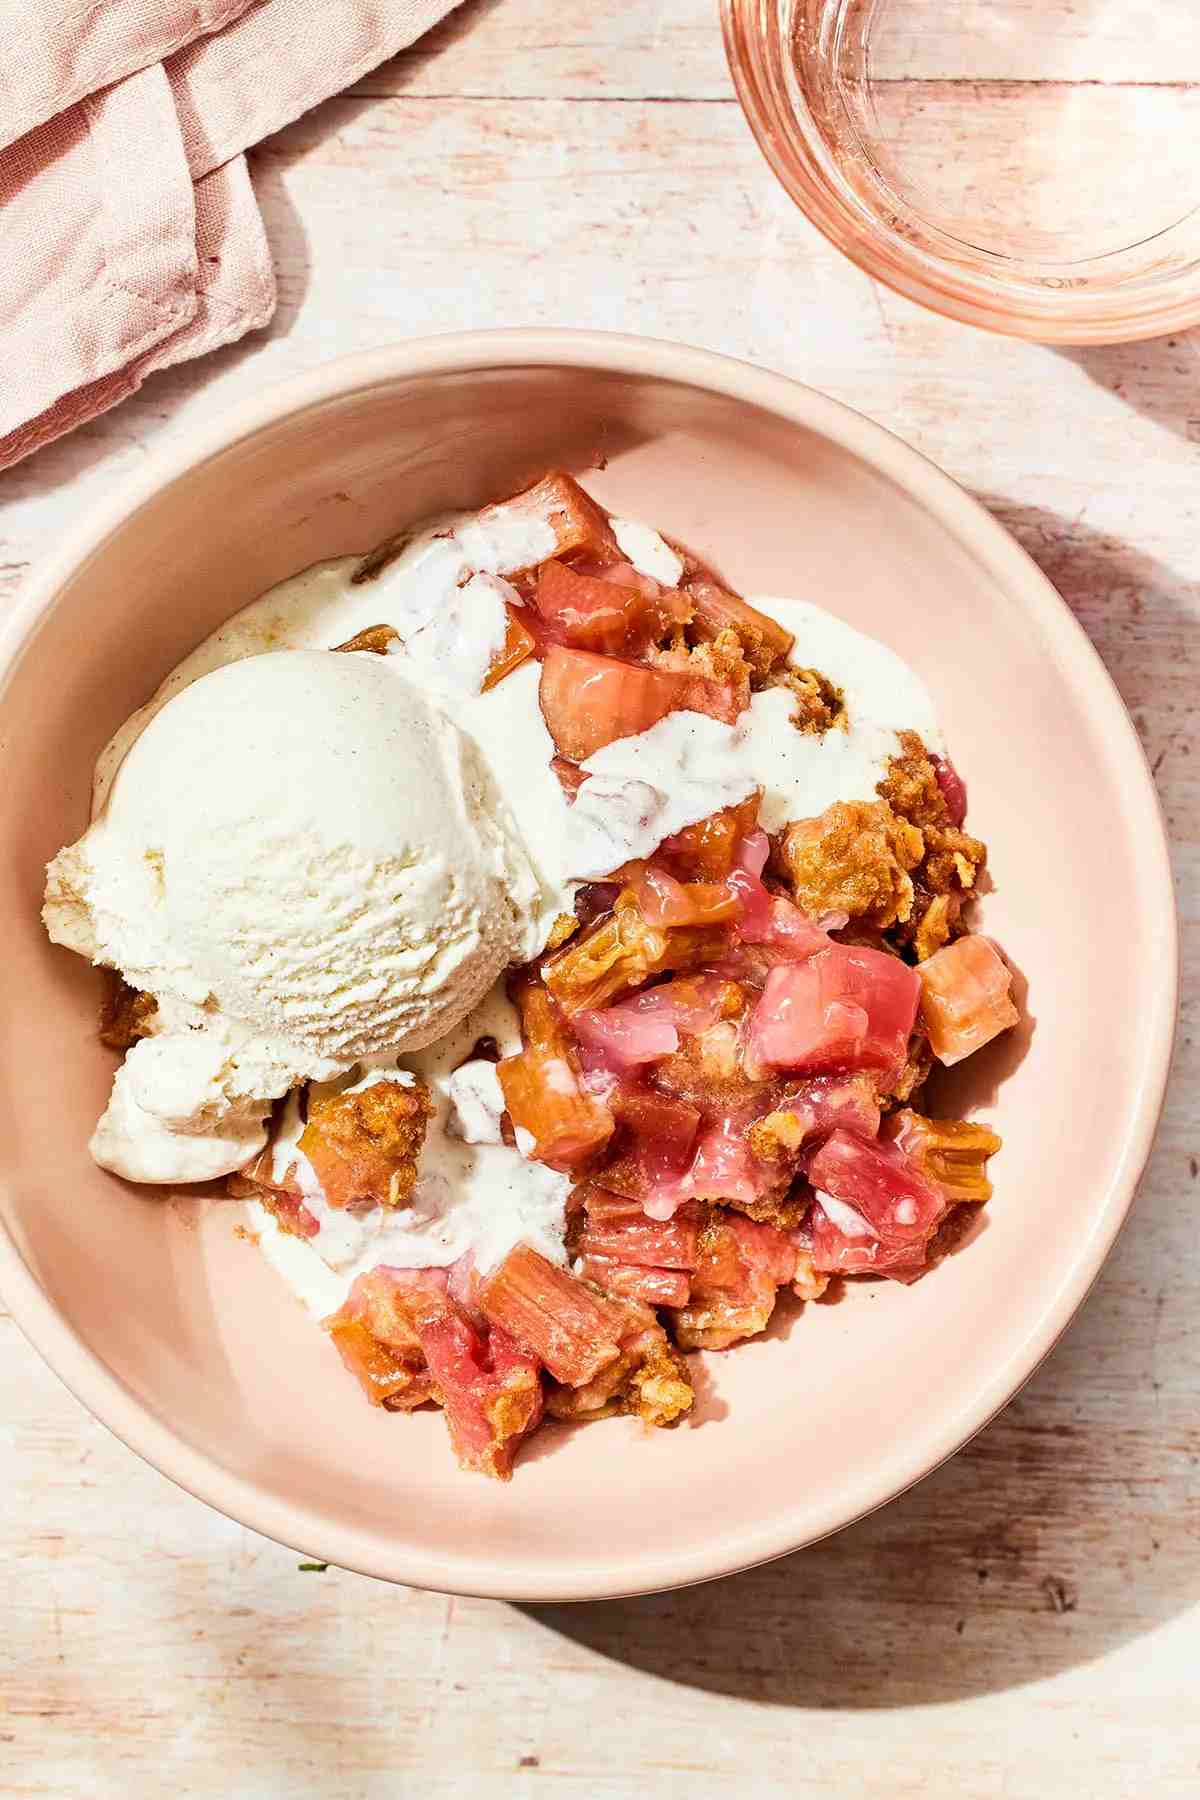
(471, 1196)
(444, 595)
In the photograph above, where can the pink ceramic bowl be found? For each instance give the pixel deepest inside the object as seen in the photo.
(175, 1332)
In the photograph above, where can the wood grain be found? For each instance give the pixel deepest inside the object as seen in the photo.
(1027, 1621)
(492, 49)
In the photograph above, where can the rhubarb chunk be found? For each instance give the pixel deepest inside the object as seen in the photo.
(617, 1227)
(707, 851)
(665, 901)
(364, 1145)
(951, 1153)
(588, 701)
(843, 1243)
(767, 920)
(954, 789)
(740, 1269)
(519, 645)
(879, 1207)
(390, 1301)
(612, 1351)
(490, 1388)
(621, 950)
(714, 610)
(658, 1134)
(648, 1379)
(966, 998)
(898, 1205)
(845, 1008)
(553, 1316)
(387, 1377)
(545, 1097)
(596, 612)
(288, 1210)
(811, 1111)
(282, 1199)
(573, 521)
(622, 1038)
(542, 1087)
(726, 1168)
(377, 1340)
(653, 1286)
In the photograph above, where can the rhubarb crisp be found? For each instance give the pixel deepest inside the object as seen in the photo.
(697, 1092)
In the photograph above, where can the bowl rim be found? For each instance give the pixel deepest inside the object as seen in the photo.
(471, 1570)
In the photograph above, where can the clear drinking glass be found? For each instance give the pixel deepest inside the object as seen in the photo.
(1032, 166)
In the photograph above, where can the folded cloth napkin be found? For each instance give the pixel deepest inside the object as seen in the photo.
(130, 238)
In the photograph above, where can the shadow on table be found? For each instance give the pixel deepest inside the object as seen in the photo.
(1068, 1526)
(1159, 378)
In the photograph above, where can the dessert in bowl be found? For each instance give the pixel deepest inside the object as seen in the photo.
(224, 1379)
(550, 953)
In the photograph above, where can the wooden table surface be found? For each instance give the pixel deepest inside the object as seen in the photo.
(1027, 1621)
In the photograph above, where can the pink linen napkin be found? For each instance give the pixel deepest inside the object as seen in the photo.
(130, 238)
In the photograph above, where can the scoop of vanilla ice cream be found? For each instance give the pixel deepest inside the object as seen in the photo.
(306, 863)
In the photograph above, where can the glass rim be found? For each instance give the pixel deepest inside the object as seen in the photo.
(995, 301)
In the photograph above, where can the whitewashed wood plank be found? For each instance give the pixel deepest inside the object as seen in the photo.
(514, 49)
